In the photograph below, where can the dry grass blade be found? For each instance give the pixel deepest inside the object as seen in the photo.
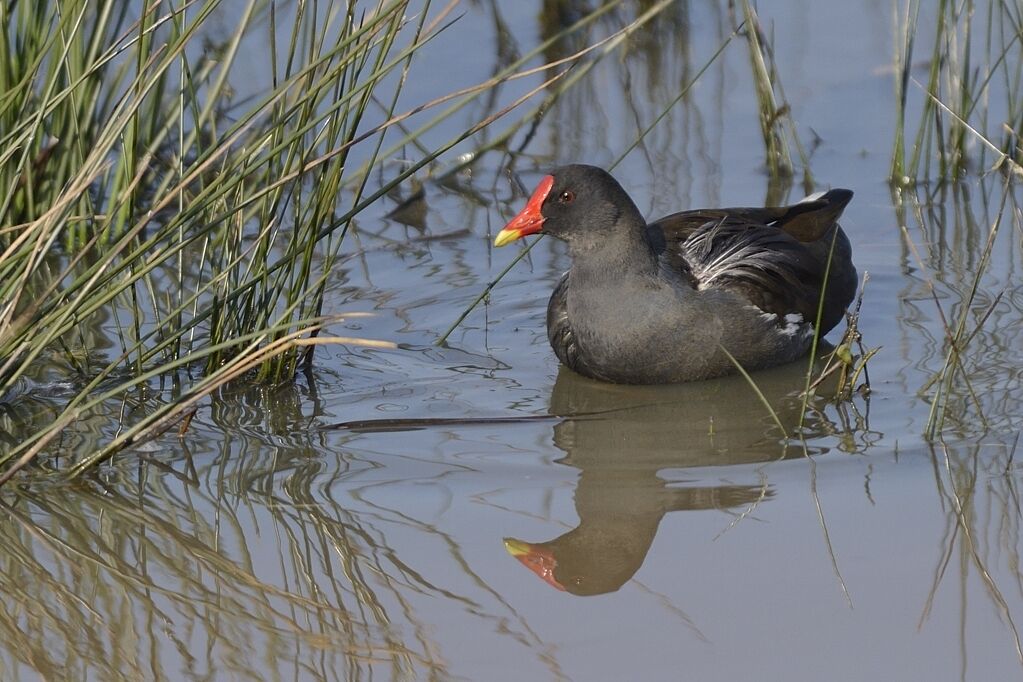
(239, 219)
(779, 160)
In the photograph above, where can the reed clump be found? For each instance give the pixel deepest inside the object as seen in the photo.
(188, 230)
(969, 104)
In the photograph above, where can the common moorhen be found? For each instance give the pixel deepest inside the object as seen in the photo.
(662, 302)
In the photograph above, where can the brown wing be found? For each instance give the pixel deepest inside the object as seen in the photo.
(807, 221)
(774, 257)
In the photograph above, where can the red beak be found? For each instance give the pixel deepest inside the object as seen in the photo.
(530, 219)
(536, 558)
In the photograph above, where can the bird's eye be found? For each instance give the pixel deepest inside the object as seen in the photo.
(566, 197)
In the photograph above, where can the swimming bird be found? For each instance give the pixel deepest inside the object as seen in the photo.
(687, 296)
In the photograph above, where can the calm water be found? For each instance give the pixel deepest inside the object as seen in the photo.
(671, 532)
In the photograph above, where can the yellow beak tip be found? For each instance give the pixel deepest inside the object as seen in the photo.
(515, 547)
(505, 237)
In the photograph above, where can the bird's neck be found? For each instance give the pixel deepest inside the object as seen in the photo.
(625, 252)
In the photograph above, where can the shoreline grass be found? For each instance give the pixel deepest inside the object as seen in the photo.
(139, 199)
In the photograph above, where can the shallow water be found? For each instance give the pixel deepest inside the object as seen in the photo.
(340, 528)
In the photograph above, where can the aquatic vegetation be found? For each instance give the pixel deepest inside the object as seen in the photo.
(775, 114)
(970, 109)
(970, 104)
(142, 197)
(220, 217)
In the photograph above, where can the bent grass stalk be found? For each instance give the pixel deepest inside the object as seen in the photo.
(965, 67)
(222, 183)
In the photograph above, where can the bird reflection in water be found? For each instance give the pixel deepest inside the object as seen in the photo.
(621, 497)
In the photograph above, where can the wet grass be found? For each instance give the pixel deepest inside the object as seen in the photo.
(140, 197)
(969, 105)
(970, 119)
(847, 362)
(777, 127)
(138, 191)
(951, 237)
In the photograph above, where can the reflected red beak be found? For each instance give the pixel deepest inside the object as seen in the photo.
(530, 219)
(536, 558)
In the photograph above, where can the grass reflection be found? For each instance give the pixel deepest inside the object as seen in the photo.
(979, 491)
(133, 580)
(960, 252)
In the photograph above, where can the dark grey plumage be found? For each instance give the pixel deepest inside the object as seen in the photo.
(658, 302)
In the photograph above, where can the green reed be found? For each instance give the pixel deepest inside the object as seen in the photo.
(970, 101)
(777, 126)
(142, 200)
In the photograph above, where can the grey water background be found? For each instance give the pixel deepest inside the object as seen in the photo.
(692, 540)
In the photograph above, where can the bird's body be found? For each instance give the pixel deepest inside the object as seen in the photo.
(687, 296)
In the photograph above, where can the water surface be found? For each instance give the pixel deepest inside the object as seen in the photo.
(329, 530)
